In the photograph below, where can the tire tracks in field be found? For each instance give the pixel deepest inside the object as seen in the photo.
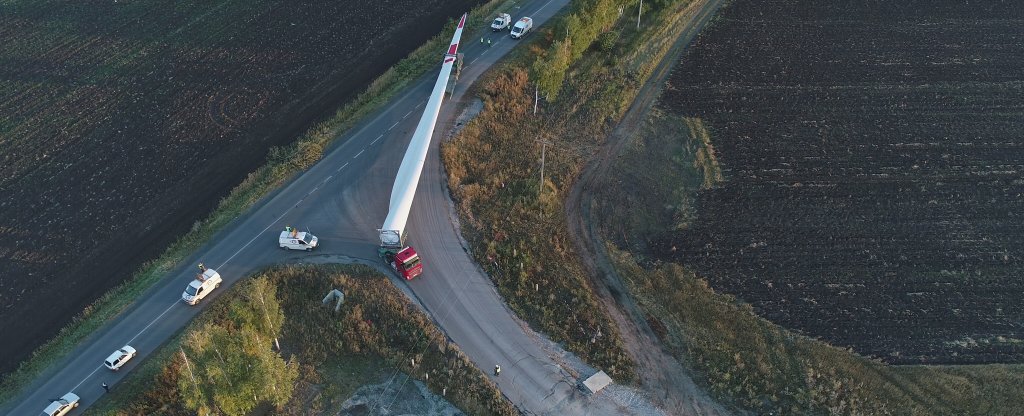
(661, 375)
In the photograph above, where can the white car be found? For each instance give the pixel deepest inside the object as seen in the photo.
(297, 240)
(119, 357)
(62, 406)
(201, 286)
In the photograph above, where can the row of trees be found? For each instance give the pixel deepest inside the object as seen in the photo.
(231, 366)
(588, 21)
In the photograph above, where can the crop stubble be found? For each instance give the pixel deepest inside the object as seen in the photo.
(873, 160)
(123, 123)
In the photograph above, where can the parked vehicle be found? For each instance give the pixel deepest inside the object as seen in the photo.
(203, 284)
(294, 239)
(62, 406)
(501, 22)
(119, 357)
(522, 27)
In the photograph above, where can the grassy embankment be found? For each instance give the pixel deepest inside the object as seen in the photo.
(376, 331)
(282, 163)
(743, 359)
(516, 226)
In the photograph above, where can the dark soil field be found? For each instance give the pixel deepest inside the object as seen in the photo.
(874, 172)
(124, 122)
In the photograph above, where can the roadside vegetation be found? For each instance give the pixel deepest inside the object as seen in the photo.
(588, 66)
(742, 359)
(515, 225)
(233, 365)
(282, 162)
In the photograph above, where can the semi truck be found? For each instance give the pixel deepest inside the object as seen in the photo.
(393, 248)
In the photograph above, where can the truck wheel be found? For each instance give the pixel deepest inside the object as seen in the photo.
(284, 248)
(216, 285)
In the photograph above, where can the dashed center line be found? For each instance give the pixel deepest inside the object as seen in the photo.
(378, 138)
(406, 115)
(357, 154)
(392, 126)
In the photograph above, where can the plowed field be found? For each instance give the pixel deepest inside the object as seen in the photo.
(124, 122)
(874, 172)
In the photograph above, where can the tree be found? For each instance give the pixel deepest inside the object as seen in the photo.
(232, 368)
(549, 73)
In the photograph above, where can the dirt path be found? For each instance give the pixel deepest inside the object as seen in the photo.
(661, 376)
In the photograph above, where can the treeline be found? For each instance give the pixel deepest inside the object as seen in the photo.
(230, 366)
(230, 362)
(588, 21)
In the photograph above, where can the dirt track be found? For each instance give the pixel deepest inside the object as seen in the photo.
(121, 126)
(661, 376)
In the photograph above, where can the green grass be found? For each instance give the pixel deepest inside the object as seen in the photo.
(516, 225)
(376, 333)
(282, 163)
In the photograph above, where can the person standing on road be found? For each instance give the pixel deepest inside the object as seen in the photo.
(106, 387)
(497, 370)
(202, 267)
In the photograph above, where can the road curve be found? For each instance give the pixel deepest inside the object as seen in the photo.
(343, 199)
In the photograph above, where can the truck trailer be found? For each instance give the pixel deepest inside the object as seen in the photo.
(393, 247)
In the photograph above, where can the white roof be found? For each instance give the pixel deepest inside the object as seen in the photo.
(597, 382)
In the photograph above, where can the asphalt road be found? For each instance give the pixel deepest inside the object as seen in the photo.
(343, 199)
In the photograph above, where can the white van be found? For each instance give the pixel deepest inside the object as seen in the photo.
(297, 240)
(203, 284)
(62, 406)
(522, 27)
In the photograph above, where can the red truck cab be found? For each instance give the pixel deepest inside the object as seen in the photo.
(407, 263)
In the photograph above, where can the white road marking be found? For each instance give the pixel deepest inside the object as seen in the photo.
(360, 152)
(153, 322)
(264, 231)
(86, 378)
(342, 167)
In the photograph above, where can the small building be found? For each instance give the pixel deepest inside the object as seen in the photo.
(596, 382)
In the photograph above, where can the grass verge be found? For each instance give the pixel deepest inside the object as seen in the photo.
(282, 163)
(376, 331)
(514, 222)
(742, 359)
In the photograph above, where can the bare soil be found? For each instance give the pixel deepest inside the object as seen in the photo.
(661, 376)
(123, 123)
(873, 177)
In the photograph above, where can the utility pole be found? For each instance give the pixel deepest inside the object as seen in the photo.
(638, 11)
(536, 97)
(543, 150)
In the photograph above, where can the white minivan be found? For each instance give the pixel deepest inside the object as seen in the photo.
(119, 357)
(202, 285)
